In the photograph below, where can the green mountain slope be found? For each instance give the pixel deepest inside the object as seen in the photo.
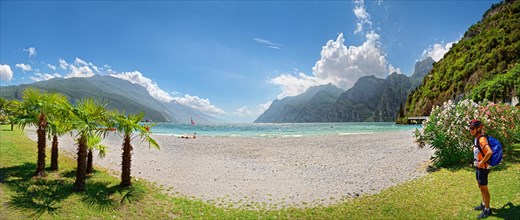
(484, 64)
(120, 94)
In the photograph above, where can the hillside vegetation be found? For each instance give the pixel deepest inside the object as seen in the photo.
(484, 64)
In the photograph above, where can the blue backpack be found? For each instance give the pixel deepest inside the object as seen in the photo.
(496, 147)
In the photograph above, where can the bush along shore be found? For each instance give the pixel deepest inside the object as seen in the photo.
(444, 193)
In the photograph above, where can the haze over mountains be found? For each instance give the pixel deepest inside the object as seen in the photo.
(370, 99)
(120, 94)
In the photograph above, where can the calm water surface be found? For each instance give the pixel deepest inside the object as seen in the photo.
(278, 129)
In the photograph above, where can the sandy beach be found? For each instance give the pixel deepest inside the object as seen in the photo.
(274, 172)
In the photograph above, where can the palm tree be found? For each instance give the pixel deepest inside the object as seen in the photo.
(57, 127)
(34, 110)
(128, 127)
(94, 142)
(12, 110)
(87, 117)
(8, 111)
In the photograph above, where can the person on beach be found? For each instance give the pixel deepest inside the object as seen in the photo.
(482, 152)
(188, 137)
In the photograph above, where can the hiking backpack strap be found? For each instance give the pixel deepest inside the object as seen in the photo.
(480, 149)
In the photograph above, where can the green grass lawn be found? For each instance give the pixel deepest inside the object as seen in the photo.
(444, 194)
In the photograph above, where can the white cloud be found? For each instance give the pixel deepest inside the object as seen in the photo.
(263, 107)
(243, 111)
(5, 72)
(51, 67)
(63, 64)
(343, 66)
(24, 67)
(203, 105)
(44, 76)
(340, 66)
(31, 50)
(79, 62)
(294, 84)
(97, 69)
(107, 69)
(437, 51)
(80, 68)
(82, 71)
(362, 16)
(268, 43)
(152, 88)
(392, 69)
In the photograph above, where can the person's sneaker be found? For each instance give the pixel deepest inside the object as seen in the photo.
(484, 214)
(480, 207)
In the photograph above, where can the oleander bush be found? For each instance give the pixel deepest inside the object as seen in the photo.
(446, 129)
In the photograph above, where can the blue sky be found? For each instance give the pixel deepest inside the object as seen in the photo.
(229, 59)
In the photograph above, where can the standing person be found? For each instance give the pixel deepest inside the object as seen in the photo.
(482, 152)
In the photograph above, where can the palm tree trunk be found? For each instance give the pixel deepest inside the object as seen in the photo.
(54, 153)
(12, 125)
(41, 146)
(127, 158)
(89, 162)
(81, 172)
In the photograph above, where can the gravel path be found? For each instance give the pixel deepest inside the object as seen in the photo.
(270, 172)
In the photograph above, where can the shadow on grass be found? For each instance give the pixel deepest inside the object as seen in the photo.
(452, 168)
(40, 195)
(502, 166)
(72, 174)
(508, 211)
(106, 196)
(46, 195)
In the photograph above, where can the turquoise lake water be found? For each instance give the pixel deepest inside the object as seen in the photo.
(279, 129)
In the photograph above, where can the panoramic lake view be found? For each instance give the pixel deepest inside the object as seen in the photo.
(260, 109)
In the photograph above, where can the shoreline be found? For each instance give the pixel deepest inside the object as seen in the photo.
(253, 173)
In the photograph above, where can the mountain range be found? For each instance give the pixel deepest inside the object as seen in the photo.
(370, 99)
(118, 93)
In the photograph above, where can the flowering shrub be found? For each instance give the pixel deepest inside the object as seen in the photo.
(446, 129)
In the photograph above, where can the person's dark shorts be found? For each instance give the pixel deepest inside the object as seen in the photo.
(482, 176)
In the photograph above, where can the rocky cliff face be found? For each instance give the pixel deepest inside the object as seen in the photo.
(310, 106)
(422, 68)
(370, 99)
(395, 90)
(359, 102)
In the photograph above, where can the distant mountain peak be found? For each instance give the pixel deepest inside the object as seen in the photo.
(120, 94)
